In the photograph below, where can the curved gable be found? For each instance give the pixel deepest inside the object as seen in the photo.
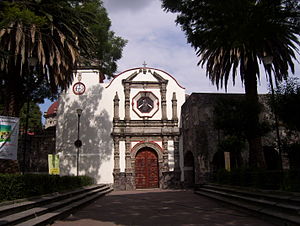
(144, 74)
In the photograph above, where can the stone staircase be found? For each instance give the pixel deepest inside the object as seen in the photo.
(47, 209)
(282, 208)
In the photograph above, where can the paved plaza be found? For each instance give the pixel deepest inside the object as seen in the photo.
(158, 207)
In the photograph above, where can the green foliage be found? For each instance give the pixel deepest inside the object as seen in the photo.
(292, 181)
(108, 47)
(231, 34)
(258, 178)
(61, 35)
(14, 186)
(34, 119)
(287, 107)
(235, 35)
(12, 12)
(232, 144)
(293, 151)
(11, 187)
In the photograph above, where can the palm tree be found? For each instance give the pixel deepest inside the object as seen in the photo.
(232, 35)
(50, 31)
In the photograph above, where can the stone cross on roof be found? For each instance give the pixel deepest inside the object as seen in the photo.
(144, 64)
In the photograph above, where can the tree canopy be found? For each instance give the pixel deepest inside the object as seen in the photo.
(44, 41)
(226, 34)
(231, 36)
(287, 101)
(34, 118)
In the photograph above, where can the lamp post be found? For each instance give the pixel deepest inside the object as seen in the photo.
(267, 60)
(32, 62)
(78, 142)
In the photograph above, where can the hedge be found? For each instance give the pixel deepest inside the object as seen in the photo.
(259, 178)
(16, 186)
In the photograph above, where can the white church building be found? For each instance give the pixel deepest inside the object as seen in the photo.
(129, 129)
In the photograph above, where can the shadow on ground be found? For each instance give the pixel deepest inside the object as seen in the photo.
(156, 207)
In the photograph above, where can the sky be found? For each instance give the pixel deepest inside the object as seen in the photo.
(154, 38)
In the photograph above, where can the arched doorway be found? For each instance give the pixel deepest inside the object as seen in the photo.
(189, 169)
(146, 169)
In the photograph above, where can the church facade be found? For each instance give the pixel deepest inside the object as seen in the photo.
(129, 129)
(140, 131)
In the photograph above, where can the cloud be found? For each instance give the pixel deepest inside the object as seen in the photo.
(125, 5)
(154, 37)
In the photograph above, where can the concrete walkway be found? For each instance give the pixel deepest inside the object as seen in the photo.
(158, 207)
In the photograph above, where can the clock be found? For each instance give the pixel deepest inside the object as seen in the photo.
(78, 88)
(145, 104)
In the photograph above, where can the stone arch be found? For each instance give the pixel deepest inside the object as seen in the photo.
(151, 145)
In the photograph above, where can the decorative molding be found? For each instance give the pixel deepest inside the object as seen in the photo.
(151, 145)
(174, 107)
(152, 97)
(116, 107)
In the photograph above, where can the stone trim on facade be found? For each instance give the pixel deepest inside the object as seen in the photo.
(146, 132)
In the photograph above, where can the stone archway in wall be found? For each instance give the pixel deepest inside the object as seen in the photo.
(147, 162)
(189, 169)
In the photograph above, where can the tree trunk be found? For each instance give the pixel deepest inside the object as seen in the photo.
(14, 90)
(13, 101)
(12, 105)
(256, 157)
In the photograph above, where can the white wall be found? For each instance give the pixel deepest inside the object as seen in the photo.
(96, 156)
(172, 86)
(96, 153)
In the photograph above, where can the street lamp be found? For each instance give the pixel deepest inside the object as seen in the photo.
(32, 62)
(78, 142)
(267, 60)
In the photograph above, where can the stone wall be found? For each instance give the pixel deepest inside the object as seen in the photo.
(38, 147)
(202, 139)
(199, 136)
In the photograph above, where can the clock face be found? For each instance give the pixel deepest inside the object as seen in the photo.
(145, 104)
(79, 88)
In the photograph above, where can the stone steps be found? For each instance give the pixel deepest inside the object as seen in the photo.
(49, 208)
(278, 207)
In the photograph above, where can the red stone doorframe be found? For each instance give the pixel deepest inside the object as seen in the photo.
(146, 169)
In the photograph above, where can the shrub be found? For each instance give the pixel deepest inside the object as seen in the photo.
(292, 181)
(15, 186)
(260, 178)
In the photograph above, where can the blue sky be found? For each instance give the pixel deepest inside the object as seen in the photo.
(153, 37)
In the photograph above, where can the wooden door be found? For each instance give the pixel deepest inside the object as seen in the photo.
(146, 169)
